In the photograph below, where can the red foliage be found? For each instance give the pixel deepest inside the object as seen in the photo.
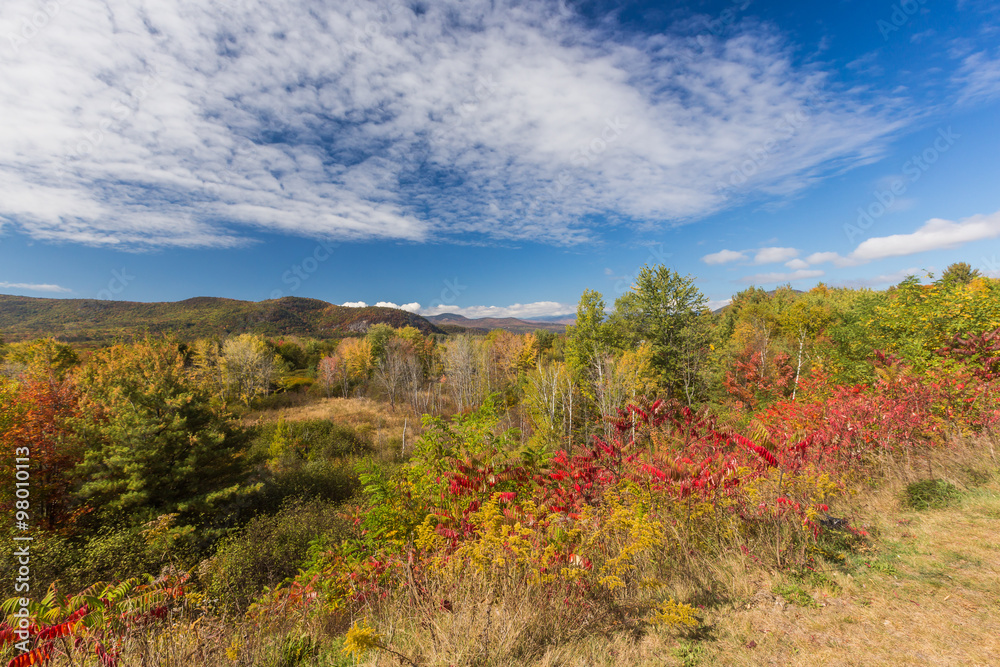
(41, 428)
(756, 379)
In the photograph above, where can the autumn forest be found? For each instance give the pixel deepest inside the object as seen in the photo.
(392, 495)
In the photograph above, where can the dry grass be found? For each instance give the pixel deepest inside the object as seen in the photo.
(929, 595)
(369, 418)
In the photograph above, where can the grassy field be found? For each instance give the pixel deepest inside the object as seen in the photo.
(391, 432)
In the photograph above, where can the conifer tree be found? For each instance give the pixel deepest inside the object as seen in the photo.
(154, 442)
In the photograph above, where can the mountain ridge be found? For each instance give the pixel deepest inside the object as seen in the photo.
(96, 321)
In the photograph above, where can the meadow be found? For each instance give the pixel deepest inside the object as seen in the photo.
(801, 478)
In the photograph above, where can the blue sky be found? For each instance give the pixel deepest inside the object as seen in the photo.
(491, 158)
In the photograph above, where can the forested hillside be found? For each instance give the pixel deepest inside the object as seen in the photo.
(400, 497)
(96, 321)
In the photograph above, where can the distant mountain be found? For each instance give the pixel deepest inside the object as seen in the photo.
(455, 323)
(93, 320)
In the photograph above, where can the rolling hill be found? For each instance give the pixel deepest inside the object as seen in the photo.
(95, 321)
(454, 323)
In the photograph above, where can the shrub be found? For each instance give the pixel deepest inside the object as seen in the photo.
(269, 550)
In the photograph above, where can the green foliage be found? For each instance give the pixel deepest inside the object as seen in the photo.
(293, 356)
(960, 273)
(297, 649)
(303, 459)
(657, 309)
(306, 440)
(690, 653)
(154, 442)
(397, 501)
(379, 336)
(267, 551)
(249, 367)
(38, 356)
(794, 593)
(114, 553)
(589, 337)
(912, 321)
(930, 494)
(546, 339)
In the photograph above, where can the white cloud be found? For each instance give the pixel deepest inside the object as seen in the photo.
(822, 257)
(354, 304)
(536, 309)
(410, 307)
(197, 123)
(35, 287)
(832, 257)
(767, 278)
(935, 234)
(715, 304)
(774, 255)
(979, 77)
(724, 256)
(797, 264)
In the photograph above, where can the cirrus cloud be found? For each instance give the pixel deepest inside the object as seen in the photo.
(200, 123)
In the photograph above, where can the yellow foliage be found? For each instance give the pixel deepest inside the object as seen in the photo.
(625, 532)
(635, 368)
(358, 354)
(673, 614)
(360, 639)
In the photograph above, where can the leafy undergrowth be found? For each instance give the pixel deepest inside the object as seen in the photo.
(786, 536)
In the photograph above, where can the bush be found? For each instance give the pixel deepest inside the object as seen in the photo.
(269, 550)
(930, 494)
